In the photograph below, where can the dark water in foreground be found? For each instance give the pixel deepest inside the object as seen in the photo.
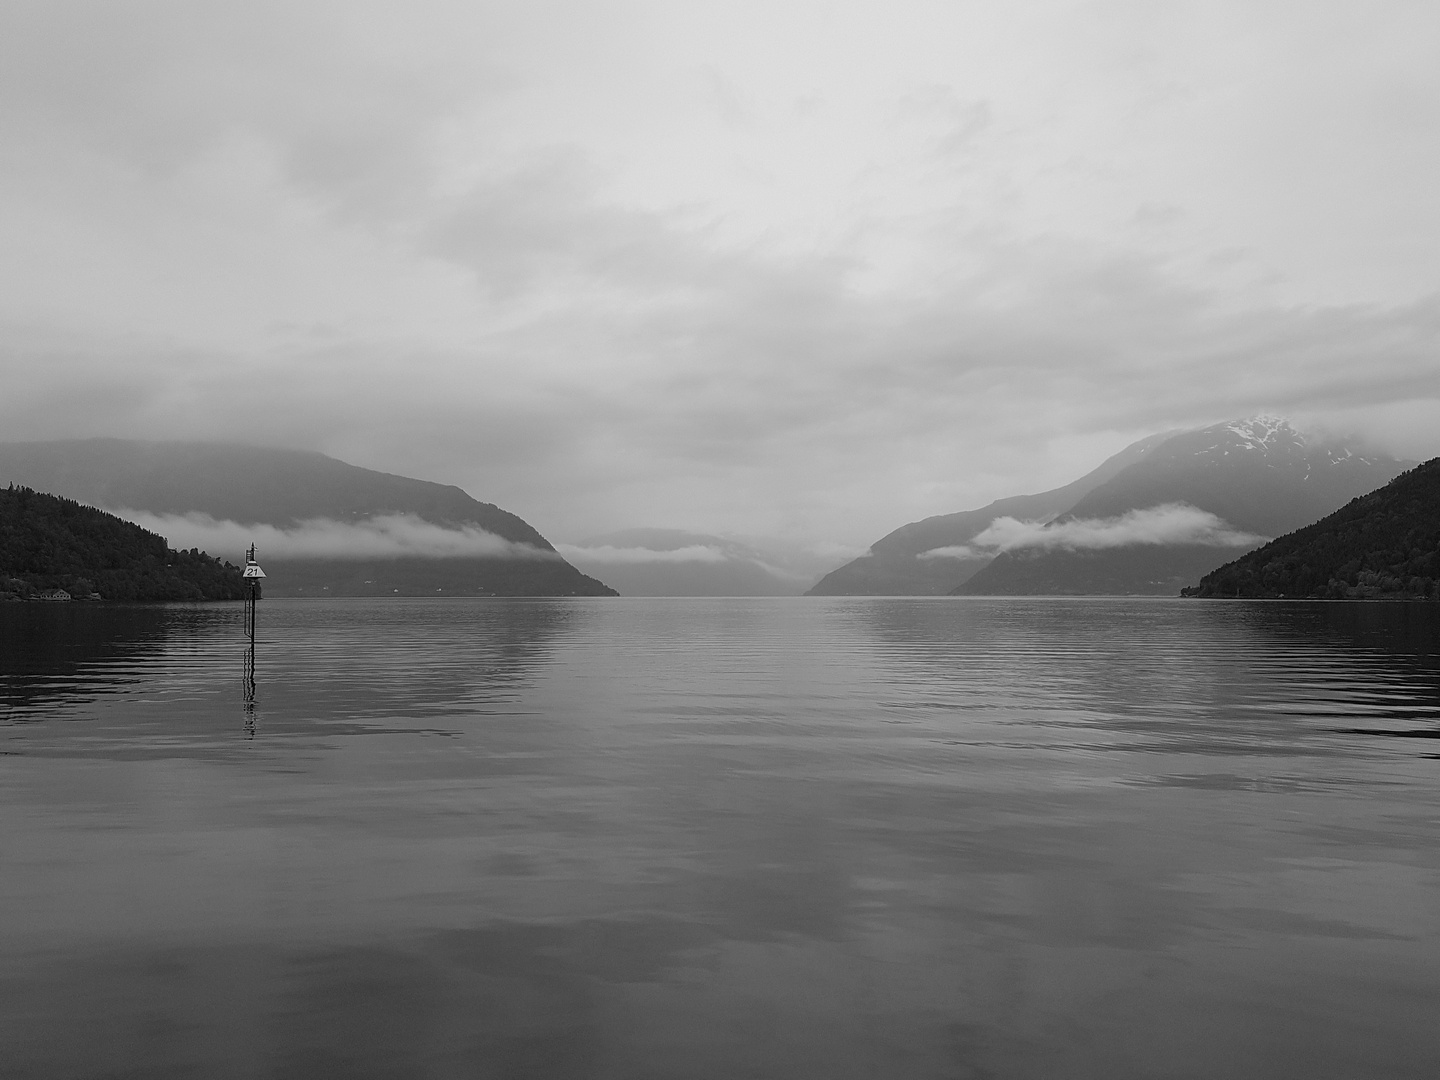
(721, 838)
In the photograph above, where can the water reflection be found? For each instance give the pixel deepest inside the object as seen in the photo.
(248, 690)
(928, 838)
(153, 678)
(1408, 633)
(1211, 677)
(410, 658)
(52, 654)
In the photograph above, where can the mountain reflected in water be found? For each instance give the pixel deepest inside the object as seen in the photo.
(56, 653)
(1238, 677)
(166, 672)
(919, 837)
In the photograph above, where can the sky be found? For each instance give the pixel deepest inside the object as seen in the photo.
(808, 270)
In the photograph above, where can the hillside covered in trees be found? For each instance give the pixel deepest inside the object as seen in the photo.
(47, 542)
(1381, 546)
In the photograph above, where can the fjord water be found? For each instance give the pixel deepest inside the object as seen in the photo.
(919, 837)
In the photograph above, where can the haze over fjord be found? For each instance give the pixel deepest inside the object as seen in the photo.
(806, 270)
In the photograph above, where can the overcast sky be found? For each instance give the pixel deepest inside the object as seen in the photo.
(806, 269)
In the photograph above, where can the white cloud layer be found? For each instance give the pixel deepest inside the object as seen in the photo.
(605, 553)
(1171, 523)
(384, 537)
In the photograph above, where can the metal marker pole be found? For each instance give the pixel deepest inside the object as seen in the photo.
(252, 575)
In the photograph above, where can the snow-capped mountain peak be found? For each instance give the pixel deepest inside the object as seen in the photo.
(1264, 431)
(1265, 437)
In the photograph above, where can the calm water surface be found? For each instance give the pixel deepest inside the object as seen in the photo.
(721, 838)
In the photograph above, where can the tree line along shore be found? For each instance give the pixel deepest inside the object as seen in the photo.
(52, 547)
(1381, 546)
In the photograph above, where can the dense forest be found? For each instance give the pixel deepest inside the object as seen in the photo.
(47, 542)
(1381, 546)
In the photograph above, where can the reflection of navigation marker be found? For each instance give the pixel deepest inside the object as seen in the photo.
(252, 575)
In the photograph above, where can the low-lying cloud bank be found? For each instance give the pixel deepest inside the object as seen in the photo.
(1171, 523)
(383, 537)
(605, 553)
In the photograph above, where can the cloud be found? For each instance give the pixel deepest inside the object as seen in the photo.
(694, 553)
(957, 551)
(382, 537)
(784, 560)
(1170, 523)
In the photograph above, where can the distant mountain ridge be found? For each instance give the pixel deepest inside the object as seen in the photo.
(1383, 545)
(246, 484)
(1258, 478)
(679, 562)
(284, 489)
(1260, 474)
(1187, 499)
(895, 566)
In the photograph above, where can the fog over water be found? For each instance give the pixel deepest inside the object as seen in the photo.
(916, 837)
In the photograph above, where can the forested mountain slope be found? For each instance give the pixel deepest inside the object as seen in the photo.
(1384, 545)
(47, 542)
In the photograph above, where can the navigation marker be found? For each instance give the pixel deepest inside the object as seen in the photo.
(252, 575)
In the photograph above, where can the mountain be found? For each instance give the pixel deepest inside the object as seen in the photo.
(899, 564)
(673, 562)
(1384, 545)
(49, 543)
(1188, 506)
(325, 527)
(1260, 475)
